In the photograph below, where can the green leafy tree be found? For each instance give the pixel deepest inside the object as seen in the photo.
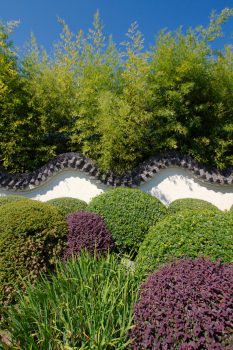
(51, 96)
(98, 78)
(115, 105)
(126, 113)
(12, 99)
(192, 92)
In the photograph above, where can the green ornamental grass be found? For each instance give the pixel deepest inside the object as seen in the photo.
(87, 304)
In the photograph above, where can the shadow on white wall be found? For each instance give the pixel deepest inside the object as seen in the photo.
(67, 183)
(168, 185)
(175, 183)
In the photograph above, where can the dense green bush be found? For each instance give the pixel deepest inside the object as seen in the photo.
(87, 304)
(68, 205)
(188, 234)
(190, 203)
(32, 235)
(10, 199)
(128, 214)
(117, 104)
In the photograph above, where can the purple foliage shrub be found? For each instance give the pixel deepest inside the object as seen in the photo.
(87, 231)
(187, 305)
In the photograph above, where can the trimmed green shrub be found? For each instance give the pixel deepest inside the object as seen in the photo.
(68, 205)
(88, 304)
(32, 236)
(188, 234)
(128, 214)
(10, 199)
(190, 203)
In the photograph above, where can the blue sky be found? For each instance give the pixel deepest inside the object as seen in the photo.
(40, 17)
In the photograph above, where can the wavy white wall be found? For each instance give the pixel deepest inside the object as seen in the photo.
(64, 184)
(176, 183)
(168, 185)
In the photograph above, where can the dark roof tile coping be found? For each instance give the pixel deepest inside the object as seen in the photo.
(143, 173)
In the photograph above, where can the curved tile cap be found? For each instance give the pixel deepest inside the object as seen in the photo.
(144, 172)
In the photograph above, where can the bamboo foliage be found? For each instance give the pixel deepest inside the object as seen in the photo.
(117, 103)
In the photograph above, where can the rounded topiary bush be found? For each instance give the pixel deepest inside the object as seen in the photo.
(11, 199)
(190, 203)
(186, 305)
(187, 234)
(32, 235)
(128, 214)
(87, 231)
(68, 205)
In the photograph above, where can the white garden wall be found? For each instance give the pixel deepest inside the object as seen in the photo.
(174, 183)
(67, 183)
(168, 185)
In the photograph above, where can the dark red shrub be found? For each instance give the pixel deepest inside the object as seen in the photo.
(87, 231)
(187, 305)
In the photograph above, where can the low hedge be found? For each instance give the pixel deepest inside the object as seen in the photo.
(11, 199)
(128, 214)
(32, 236)
(185, 305)
(191, 204)
(67, 205)
(188, 234)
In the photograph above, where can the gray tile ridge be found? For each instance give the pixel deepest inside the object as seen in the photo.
(142, 173)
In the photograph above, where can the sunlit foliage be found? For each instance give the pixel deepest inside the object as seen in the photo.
(117, 103)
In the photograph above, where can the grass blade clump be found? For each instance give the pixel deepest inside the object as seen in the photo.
(86, 305)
